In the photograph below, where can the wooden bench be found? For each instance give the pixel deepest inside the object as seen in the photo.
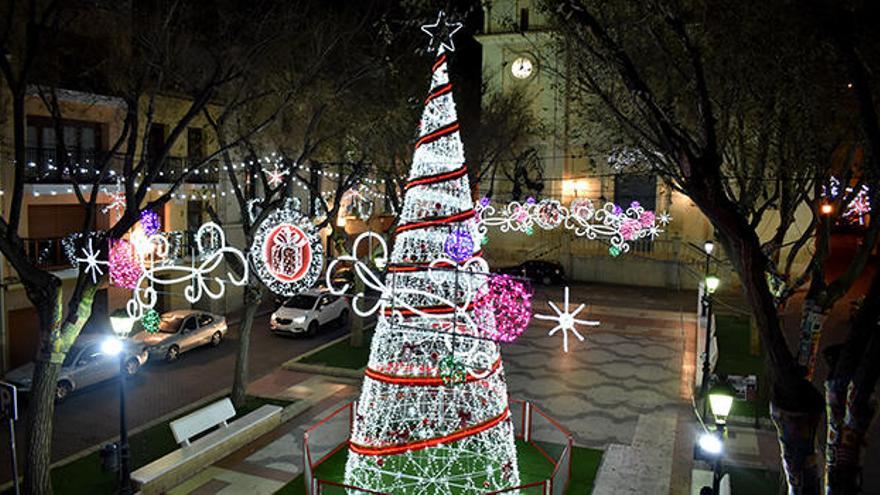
(193, 456)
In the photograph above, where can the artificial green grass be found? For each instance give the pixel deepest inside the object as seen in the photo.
(753, 481)
(735, 358)
(342, 354)
(533, 466)
(84, 475)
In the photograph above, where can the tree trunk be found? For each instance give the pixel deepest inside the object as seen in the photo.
(253, 296)
(797, 440)
(38, 427)
(812, 321)
(847, 426)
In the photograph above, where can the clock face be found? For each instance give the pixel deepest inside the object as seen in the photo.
(522, 68)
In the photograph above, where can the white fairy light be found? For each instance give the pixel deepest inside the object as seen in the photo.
(566, 321)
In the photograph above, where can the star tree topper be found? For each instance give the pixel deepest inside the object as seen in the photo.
(441, 33)
(566, 321)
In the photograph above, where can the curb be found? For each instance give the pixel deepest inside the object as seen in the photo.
(320, 369)
(324, 370)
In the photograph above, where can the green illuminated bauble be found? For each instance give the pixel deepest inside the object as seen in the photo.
(151, 321)
(614, 251)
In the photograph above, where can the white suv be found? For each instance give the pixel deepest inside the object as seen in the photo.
(307, 312)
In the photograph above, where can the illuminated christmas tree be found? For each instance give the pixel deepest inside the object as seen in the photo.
(433, 417)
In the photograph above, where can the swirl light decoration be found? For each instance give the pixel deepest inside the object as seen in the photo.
(433, 417)
(201, 282)
(610, 222)
(287, 253)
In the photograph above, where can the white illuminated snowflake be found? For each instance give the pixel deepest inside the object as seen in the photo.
(276, 176)
(566, 321)
(664, 218)
(93, 265)
(117, 199)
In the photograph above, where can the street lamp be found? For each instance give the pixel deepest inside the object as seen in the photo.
(711, 284)
(720, 401)
(122, 324)
(708, 247)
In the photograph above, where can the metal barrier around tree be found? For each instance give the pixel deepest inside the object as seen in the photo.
(532, 425)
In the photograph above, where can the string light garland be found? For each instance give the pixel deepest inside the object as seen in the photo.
(287, 254)
(619, 226)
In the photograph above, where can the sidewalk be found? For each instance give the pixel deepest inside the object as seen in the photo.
(275, 459)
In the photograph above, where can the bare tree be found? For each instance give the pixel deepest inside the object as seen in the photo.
(157, 53)
(744, 116)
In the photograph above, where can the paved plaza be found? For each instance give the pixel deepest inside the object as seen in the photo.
(625, 390)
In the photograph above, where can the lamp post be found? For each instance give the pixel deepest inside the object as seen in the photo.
(122, 325)
(708, 247)
(720, 401)
(711, 284)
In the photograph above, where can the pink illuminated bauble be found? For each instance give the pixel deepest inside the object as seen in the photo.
(503, 307)
(125, 269)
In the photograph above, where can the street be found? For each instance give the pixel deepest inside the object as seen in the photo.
(91, 416)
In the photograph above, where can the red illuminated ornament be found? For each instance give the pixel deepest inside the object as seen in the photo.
(287, 253)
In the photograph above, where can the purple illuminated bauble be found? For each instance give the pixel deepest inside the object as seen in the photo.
(502, 308)
(459, 245)
(150, 222)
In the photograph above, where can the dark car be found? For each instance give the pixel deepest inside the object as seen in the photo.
(538, 271)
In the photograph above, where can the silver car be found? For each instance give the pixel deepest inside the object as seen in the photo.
(83, 365)
(180, 331)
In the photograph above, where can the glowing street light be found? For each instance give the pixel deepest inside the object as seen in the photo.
(708, 246)
(720, 401)
(111, 346)
(712, 283)
(826, 209)
(711, 444)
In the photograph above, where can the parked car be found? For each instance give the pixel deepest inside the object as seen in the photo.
(307, 312)
(180, 331)
(538, 271)
(83, 365)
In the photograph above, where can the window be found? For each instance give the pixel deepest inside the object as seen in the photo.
(205, 319)
(523, 20)
(81, 140)
(156, 141)
(195, 144)
(91, 354)
(641, 188)
(189, 324)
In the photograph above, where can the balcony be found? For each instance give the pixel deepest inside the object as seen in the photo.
(44, 167)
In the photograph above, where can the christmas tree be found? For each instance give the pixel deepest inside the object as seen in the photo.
(419, 427)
